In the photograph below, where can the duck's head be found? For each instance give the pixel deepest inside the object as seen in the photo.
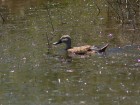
(64, 39)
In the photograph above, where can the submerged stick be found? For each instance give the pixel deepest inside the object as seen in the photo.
(98, 9)
(3, 20)
(48, 43)
(49, 15)
(113, 9)
(53, 30)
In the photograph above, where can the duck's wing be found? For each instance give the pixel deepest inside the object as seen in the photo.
(95, 48)
(99, 50)
(103, 48)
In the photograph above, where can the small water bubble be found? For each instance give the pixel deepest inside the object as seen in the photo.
(59, 80)
(67, 94)
(126, 55)
(36, 65)
(80, 80)
(90, 5)
(122, 84)
(101, 18)
(24, 59)
(138, 91)
(33, 44)
(123, 98)
(133, 84)
(127, 91)
(97, 90)
(111, 89)
(82, 89)
(129, 74)
(82, 102)
(50, 99)
(70, 71)
(125, 64)
(110, 35)
(107, 63)
(12, 71)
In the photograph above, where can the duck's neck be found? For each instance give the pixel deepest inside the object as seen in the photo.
(68, 45)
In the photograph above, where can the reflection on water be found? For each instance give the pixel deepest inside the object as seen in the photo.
(33, 72)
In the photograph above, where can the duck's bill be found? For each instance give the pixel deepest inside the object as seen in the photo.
(55, 43)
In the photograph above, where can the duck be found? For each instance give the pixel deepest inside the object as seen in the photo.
(81, 50)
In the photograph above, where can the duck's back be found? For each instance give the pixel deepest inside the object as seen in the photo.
(80, 50)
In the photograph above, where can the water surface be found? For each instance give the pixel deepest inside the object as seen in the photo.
(34, 72)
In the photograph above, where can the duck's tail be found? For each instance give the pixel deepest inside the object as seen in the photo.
(103, 49)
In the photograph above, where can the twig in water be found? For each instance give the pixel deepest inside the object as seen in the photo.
(98, 9)
(2, 18)
(48, 43)
(48, 11)
(113, 9)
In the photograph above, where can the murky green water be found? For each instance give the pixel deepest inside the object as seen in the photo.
(33, 72)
